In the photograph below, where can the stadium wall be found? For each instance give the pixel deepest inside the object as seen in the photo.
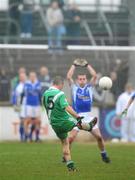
(9, 126)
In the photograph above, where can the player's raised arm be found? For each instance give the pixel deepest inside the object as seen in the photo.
(92, 73)
(128, 105)
(70, 74)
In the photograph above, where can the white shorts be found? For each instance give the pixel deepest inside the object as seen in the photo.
(30, 111)
(22, 113)
(87, 119)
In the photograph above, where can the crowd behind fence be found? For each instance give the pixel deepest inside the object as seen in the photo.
(9, 80)
(25, 20)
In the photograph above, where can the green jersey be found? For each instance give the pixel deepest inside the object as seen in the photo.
(55, 103)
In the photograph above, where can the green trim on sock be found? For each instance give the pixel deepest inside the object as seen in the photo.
(70, 161)
(70, 164)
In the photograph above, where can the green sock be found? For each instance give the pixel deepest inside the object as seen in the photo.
(70, 164)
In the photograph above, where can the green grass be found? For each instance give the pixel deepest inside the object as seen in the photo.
(19, 161)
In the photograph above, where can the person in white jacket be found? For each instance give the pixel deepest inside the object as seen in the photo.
(55, 25)
(20, 103)
(126, 132)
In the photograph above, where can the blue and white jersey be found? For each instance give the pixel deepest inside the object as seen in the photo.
(82, 98)
(133, 96)
(32, 92)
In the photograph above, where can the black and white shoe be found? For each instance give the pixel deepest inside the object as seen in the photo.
(93, 123)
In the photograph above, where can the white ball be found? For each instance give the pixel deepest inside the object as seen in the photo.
(105, 83)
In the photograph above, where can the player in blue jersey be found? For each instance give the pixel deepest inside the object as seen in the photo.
(32, 93)
(82, 98)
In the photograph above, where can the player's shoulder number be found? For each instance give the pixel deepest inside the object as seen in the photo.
(50, 103)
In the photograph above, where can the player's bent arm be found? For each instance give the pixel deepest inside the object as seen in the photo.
(70, 110)
(70, 74)
(128, 105)
(92, 73)
(130, 102)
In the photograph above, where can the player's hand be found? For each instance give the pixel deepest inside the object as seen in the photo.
(124, 113)
(79, 121)
(80, 62)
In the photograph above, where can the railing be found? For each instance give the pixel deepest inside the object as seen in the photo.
(96, 6)
(90, 37)
(106, 24)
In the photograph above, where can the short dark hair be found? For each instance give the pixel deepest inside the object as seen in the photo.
(58, 80)
(81, 74)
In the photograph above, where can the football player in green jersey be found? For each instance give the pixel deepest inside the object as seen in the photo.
(62, 117)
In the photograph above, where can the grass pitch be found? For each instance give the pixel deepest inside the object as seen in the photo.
(31, 161)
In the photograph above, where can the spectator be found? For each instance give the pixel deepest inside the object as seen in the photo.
(122, 68)
(127, 130)
(4, 86)
(27, 8)
(15, 80)
(115, 87)
(56, 27)
(61, 3)
(73, 27)
(44, 79)
(14, 15)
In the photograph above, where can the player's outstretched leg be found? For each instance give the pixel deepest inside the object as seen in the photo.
(83, 126)
(86, 126)
(96, 133)
(67, 156)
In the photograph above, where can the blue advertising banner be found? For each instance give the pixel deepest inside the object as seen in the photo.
(109, 124)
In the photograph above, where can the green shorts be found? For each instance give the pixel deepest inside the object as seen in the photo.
(61, 129)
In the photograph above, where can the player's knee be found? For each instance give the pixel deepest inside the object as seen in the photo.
(66, 152)
(38, 121)
(71, 139)
(28, 121)
(25, 123)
